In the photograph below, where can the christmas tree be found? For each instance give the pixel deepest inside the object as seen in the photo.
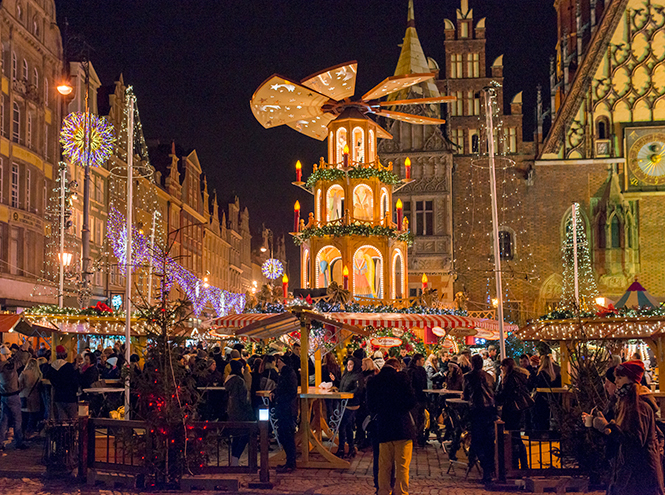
(575, 251)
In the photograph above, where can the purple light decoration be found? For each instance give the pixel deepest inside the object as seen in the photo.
(272, 269)
(198, 292)
(74, 138)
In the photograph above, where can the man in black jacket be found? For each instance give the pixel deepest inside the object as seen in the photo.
(65, 381)
(285, 398)
(418, 376)
(390, 398)
(479, 391)
(9, 392)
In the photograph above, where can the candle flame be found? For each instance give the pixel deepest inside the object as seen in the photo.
(399, 204)
(298, 165)
(346, 149)
(285, 279)
(407, 162)
(345, 272)
(424, 279)
(296, 207)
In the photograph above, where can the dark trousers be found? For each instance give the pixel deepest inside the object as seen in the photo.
(513, 420)
(346, 429)
(482, 438)
(30, 420)
(11, 411)
(418, 413)
(286, 431)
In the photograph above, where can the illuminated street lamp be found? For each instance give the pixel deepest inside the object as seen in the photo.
(65, 88)
(65, 258)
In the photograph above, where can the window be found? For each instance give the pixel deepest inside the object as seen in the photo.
(511, 139)
(19, 12)
(46, 142)
(99, 189)
(45, 91)
(14, 67)
(616, 232)
(602, 128)
(45, 198)
(2, 115)
(16, 123)
(424, 218)
(35, 77)
(473, 64)
(472, 103)
(15, 186)
(25, 70)
(341, 142)
(456, 66)
(35, 27)
(358, 145)
(2, 181)
(464, 30)
(29, 134)
(505, 245)
(457, 106)
(27, 190)
(457, 137)
(475, 141)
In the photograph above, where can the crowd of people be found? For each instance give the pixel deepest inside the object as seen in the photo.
(392, 409)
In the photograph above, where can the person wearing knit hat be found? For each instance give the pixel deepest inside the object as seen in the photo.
(637, 469)
(64, 379)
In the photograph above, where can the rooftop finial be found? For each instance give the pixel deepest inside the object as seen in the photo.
(411, 19)
(465, 7)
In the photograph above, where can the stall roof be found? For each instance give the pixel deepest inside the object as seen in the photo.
(594, 329)
(8, 322)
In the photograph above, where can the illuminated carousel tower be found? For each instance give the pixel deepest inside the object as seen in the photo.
(351, 237)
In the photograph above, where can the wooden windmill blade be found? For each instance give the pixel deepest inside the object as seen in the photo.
(336, 82)
(316, 127)
(417, 101)
(280, 101)
(395, 83)
(410, 118)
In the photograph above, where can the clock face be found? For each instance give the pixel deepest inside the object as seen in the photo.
(646, 159)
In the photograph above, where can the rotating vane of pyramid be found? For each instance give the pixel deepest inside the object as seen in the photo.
(310, 105)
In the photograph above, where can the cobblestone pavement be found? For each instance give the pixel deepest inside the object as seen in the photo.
(428, 477)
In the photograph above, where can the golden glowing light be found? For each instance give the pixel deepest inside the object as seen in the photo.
(298, 165)
(285, 279)
(399, 204)
(296, 207)
(407, 162)
(346, 149)
(424, 279)
(345, 272)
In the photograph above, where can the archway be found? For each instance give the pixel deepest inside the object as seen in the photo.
(363, 203)
(339, 145)
(368, 272)
(328, 267)
(398, 281)
(358, 145)
(305, 269)
(334, 203)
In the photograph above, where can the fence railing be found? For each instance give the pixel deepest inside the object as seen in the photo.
(542, 451)
(131, 447)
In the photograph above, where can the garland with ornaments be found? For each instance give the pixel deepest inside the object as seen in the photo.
(610, 312)
(359, 172)
(353, 229)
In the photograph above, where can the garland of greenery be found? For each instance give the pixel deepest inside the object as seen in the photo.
(567, 314)
(354, 229)
(52, 309)
(332, 174)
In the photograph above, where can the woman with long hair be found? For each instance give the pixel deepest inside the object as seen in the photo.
(434, 377)
(636, 469)
(545, 377)
(513, 395)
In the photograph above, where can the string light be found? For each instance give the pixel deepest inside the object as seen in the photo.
(85, 145)
(353, 229)
(272, 269)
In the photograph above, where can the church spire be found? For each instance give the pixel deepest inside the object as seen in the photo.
(412, 60)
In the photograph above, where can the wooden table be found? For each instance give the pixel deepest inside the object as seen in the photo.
(103, 390)
(309, 438)
(210, 388)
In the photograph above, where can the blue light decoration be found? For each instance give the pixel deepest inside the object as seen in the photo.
(87, 138)
(116, 302)
(198, 291)
(272, 269)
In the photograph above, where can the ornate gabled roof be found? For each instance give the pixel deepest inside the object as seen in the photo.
(412, 60)
(595, 52)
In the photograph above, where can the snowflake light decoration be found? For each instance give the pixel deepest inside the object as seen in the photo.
(74, 139)
(272, 269)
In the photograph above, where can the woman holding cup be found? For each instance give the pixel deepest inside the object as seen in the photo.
(636, 469)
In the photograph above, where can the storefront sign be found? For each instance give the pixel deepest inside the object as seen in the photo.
(463, 332)
(386, 342)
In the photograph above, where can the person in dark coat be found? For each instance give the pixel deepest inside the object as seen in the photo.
(637, 468)
(285, 398)
(351, 383)
(9, 392)
(418, 376)
(479, 391)
(65, 381)
(240, 408)
(454, 377)
(513, 395)
(544, 379)
(390, 398)
(89, 371)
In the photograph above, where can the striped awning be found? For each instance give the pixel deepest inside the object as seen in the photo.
(8, 322)
(377, 320)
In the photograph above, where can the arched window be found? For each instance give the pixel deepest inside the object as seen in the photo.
(602, 128)
(35, 27)
(45, 91)
(358, 145)
(25, 70)
(305, 269)
(363, 203)
(384, 203)
(19, 12)
(615, 228)
(398, 276)
(506, 248)
(328, 267)
(35, 76)
(371, 152)
(16, 123)
(334, 203)
(341, 142)
(368, 272)
(14, 67)
(600, 232)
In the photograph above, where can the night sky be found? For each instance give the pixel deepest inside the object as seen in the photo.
(194, 66)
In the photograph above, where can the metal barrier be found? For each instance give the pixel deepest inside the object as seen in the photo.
(62, 446)
(542, 451)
